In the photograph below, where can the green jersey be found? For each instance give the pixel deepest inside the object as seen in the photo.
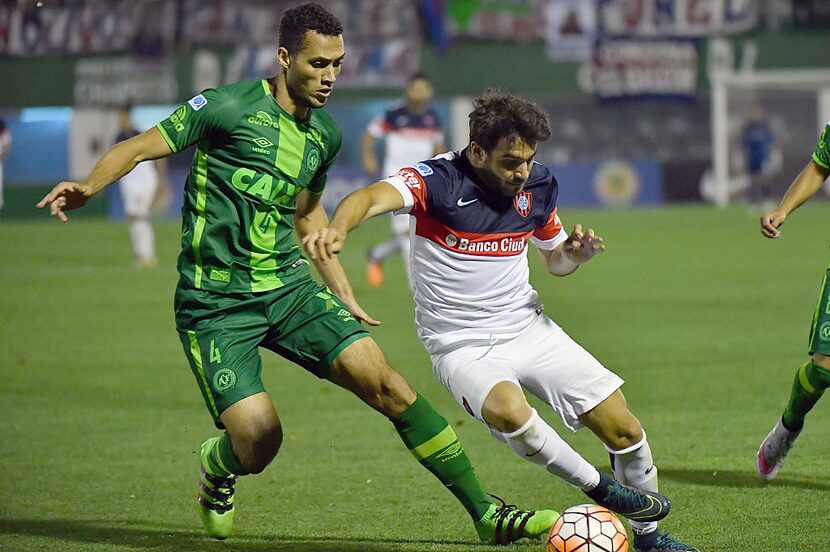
(252, 159)
(821, 155)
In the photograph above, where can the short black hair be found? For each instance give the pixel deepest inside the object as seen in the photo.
(420, 75)
(497, 115)
(296, 22)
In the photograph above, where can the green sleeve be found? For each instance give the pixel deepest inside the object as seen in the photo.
(319, 182)
(193, 120)
(822, 153)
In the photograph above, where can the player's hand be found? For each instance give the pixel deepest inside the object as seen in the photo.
(581, 246)
(771, 222)
(65, 197)
(323, 244)
(362, 316)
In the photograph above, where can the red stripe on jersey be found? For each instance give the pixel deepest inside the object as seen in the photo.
(507, 244)
(550, 229)
(415, 182)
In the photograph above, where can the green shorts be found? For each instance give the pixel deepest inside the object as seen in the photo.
(820, 330)
(221, 334)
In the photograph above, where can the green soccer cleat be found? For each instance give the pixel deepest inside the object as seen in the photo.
(215, 497)
(505, 523)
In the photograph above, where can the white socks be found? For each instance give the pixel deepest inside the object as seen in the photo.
(634, 466)
(143, 240)
(537, 442)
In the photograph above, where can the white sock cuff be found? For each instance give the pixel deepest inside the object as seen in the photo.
(632, 448)
(527, 425)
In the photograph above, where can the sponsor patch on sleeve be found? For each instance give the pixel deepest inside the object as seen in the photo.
(197, 102)
(411, 178)
(423, 169)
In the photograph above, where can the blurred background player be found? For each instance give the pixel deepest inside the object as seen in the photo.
(813, 377)
(5, 146)
(140, 190)
(758, 144)
(411, 132)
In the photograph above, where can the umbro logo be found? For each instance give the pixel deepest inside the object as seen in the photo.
(263, 142)
(462, 203)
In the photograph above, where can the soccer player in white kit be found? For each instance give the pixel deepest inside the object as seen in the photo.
(410, 131)
(482, 322)
(138, 190)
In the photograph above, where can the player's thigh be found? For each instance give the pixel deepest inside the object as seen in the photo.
(220, 336)
(362, 369)
(310, 327)
(613, 423)
(561, 372)
(819, 342)
(470, 373)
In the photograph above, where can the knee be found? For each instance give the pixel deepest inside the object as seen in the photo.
(258, 446)
(506, 413)
(821, 360)
(624, 434)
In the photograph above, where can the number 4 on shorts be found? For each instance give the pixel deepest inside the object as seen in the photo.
(215, 355)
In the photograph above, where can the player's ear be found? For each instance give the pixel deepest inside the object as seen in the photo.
(477, 154)
(283, 57)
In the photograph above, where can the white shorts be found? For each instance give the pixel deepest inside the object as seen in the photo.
(138, 189)
(400, 224)
(544, 360)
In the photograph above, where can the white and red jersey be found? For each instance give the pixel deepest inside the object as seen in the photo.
(469, 258)
(409, 136)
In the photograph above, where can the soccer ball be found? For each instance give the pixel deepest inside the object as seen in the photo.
(587, 528)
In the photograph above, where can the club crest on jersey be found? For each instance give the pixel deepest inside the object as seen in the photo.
(523, 201)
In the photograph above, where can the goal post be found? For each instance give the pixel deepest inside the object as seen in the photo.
(795, 103)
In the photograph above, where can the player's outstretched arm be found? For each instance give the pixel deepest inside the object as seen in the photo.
(806, 184)
(579, 248)
(377, 199)
(115, 163)
(310, 219)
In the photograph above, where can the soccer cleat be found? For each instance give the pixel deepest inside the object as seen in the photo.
(374, 273)
(774, 449)
(660, 541)
(505, 523)
(635, 504)
(215, 497)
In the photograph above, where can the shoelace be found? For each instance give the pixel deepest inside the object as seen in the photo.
(627, 495)
(220, 491)
(666, 542)
(510, 514)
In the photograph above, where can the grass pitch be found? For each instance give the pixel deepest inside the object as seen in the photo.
(706, 320)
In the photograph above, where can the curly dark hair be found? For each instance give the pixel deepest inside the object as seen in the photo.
(296, 22)
(497, 115)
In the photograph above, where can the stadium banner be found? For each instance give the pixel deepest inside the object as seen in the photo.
(115, 81)
(677, 18)
(637, 68)
(571, 30)
(615, 183)
(142, 27)
(511, 20)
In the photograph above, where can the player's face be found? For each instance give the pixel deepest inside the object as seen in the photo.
(506, 168)
(312, 70)
(419, 92)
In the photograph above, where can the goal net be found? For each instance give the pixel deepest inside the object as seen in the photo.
(765, 125)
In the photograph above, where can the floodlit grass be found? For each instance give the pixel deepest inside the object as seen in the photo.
(706, 320)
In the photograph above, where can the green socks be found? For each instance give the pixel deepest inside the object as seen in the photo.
(221, 461)
(810, 382)
(432, 441)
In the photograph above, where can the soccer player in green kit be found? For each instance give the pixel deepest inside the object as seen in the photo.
(814, 376)
(263, 149)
